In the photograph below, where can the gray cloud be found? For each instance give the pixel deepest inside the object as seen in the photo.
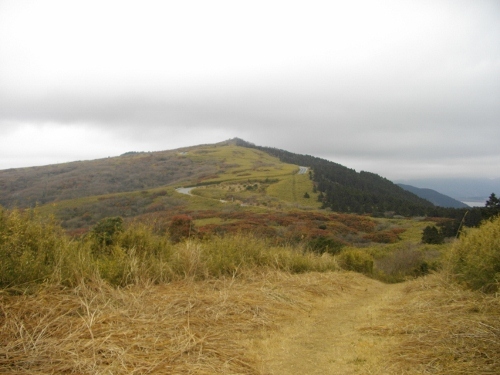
(399, 89)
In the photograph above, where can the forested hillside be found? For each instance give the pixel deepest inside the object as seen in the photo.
(343, 189)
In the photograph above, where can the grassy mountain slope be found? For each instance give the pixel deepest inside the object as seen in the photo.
(226, 179)
(132, 172)
(236, 161)
(74, 305)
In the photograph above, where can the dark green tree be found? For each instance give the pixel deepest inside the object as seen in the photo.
(432, 235)
(492, 206)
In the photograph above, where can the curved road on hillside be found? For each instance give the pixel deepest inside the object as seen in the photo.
(303, 170)
(185, 190)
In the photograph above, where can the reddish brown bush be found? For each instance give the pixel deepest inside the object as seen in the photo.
(382, 237)
(181, 227)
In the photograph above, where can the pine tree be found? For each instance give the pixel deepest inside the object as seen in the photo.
(492, 207)
(432, 235)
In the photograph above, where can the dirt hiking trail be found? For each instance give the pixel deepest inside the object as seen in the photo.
(341, 334)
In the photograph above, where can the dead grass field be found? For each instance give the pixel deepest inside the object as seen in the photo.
(269, 323)
(178, 328)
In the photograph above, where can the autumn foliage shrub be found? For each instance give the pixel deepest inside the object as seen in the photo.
(181, 227)
(382, 237)
(356, 222)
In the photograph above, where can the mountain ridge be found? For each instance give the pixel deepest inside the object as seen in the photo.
(435, 197)
(463, 189)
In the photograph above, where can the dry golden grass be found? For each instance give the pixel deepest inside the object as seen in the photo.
(339, 335)
(333, 322)
(446, 330)
(187, 327)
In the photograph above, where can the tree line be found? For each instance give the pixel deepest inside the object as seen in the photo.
(344, 190)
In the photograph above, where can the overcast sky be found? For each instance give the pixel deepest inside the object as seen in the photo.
(404, 89)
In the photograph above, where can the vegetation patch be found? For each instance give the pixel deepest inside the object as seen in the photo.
(142, 255)
(475, 259)
(36, 251)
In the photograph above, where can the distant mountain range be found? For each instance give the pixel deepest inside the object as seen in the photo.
(435, 197)
(474, 191)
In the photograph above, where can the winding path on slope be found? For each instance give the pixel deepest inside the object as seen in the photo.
(343, 334)
(185, 190)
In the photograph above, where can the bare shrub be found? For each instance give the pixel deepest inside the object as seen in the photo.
(400, 264)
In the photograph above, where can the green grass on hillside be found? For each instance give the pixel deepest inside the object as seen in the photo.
(292, 190)
(236, 175)
(239, 163)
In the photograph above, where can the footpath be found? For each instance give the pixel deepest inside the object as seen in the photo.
(343, 334)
